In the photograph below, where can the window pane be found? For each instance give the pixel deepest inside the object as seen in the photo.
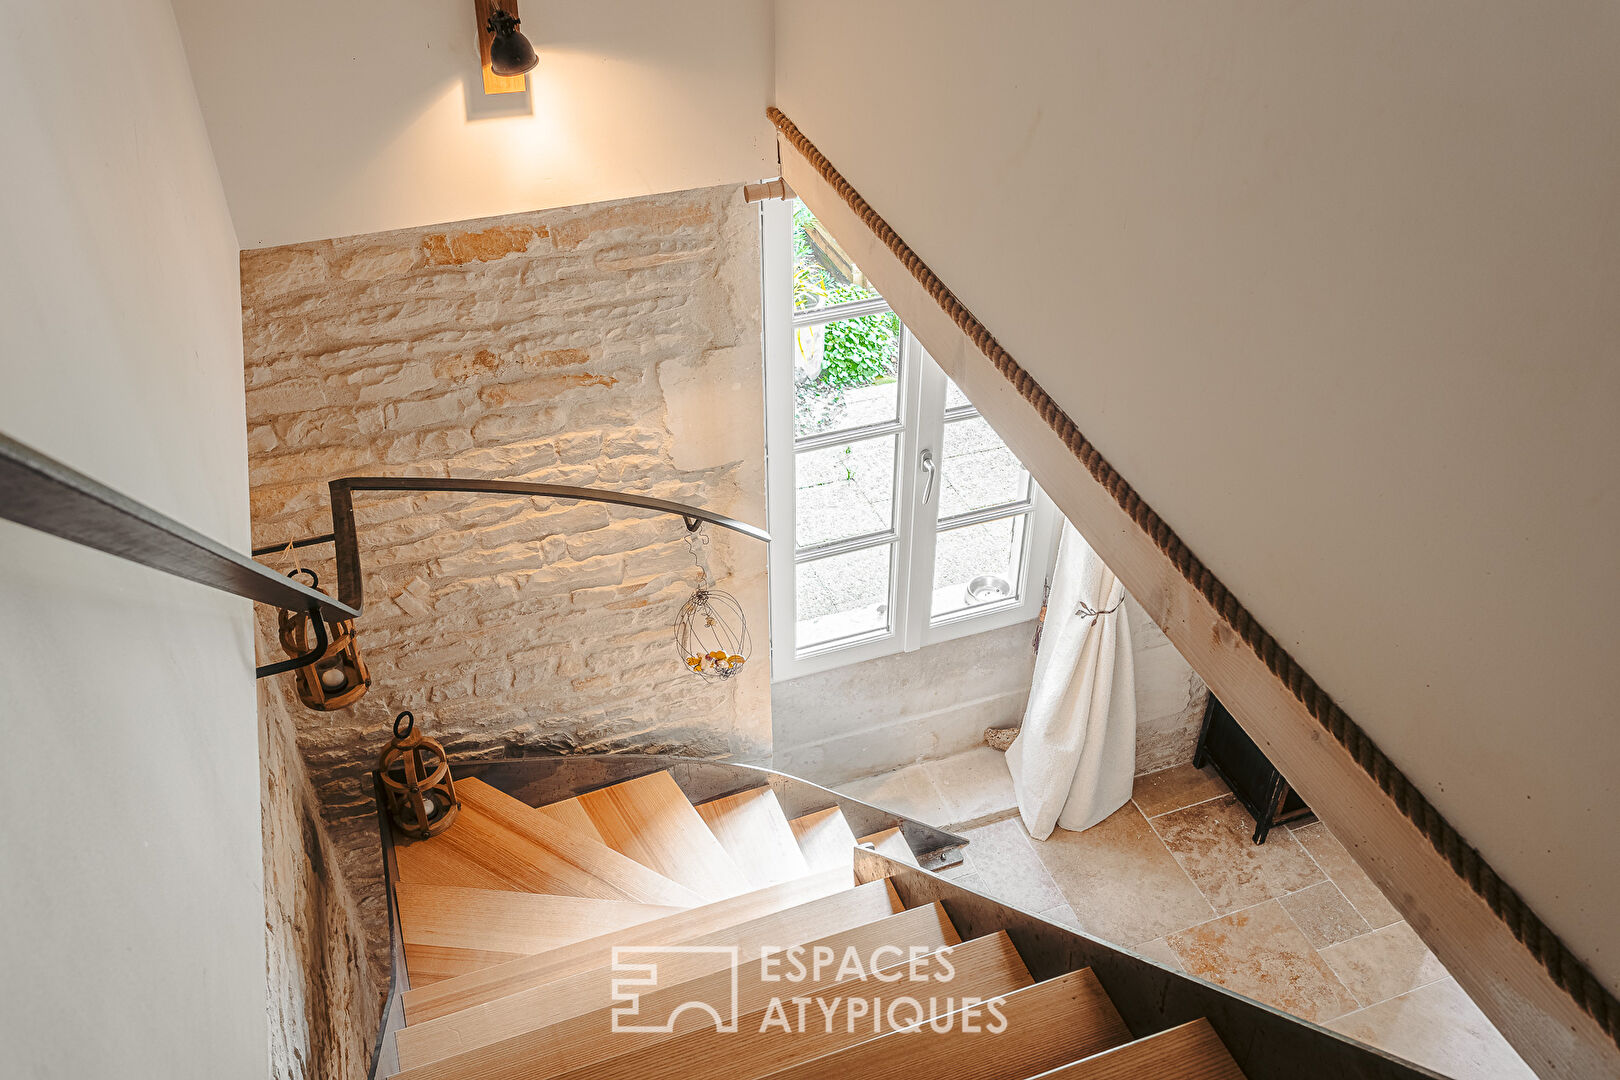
(822, 274)
(977, 469)
(954, 398)
(843, 491)
(843, 595)
(846, 373)
(978, 564)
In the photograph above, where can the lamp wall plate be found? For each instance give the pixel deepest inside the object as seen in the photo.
(493, 83)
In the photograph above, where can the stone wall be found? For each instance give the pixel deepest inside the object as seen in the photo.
(1170, 696)
(613, 345)
(322, 998)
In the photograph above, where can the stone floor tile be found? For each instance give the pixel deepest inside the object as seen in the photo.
(1437, 1026)
(1213, 842)
(1324, 915)
(968, 881)
(909, 791)
(1176, 788)
(1351, 879)
(1122, 883)
(1260, 953)
(1159, 951)
(975, 784)
(1007, 868)
(1065, 915)
(1383, 964)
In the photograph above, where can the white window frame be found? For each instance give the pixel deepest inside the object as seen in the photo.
(922, 389)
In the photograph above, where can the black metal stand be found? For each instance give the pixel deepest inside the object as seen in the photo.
(1262, 790)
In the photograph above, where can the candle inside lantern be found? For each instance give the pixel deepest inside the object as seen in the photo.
(333, 678)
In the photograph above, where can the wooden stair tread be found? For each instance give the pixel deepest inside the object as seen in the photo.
(825, 838)
(987, 967)
(890, 842)
(1191, 1051)
(752, 829)
(508, 848)
(425, 1003)
(651, 820)
(571, 813)
(567, 1043)
(1047, 1025)
(560, 999)
(491, 926)
(429, 964)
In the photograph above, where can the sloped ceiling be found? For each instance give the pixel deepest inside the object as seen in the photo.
(1337, 288)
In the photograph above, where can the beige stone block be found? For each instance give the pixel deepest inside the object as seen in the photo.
(375, 263)
(528, 424)
(456, 407)
(642, 215)
(540, 390)
(267, 274)
(581, 446)
(496, 242)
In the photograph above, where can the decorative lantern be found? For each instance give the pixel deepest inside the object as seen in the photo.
(711, 632)
(415, 776)
(338, 677)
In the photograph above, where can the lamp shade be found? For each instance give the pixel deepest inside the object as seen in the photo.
(510, 53)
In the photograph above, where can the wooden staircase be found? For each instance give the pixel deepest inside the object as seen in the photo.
(784, 947)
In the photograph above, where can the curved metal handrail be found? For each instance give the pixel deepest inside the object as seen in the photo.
(346, 540)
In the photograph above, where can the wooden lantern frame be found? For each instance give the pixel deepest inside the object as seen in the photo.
(421, 793)
(342, 651)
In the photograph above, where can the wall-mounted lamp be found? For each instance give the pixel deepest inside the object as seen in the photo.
(506, 54)
(510, 53)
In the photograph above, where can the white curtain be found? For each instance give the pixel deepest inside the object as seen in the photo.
(1073, 761)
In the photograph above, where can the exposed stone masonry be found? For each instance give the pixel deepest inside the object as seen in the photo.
(321, 997)
(614, 345)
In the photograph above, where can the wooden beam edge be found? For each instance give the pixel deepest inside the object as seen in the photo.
(1542, 1022)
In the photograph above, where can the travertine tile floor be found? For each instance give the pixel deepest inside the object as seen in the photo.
(1293, 922)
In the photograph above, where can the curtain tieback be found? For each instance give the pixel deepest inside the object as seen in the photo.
(1086, 611)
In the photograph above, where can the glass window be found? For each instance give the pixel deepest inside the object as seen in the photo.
(900, 516)
(846, 373)
(977, 470)
(822, 274)
(844, 490)
(978, 564)
(843, 596)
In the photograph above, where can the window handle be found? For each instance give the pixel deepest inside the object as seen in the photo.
(927, 462)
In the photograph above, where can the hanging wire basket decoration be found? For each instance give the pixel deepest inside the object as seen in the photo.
(711, 632)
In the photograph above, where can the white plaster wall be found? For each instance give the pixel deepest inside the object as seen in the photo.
(336, 119)
(1333, 286)
(130, 865)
